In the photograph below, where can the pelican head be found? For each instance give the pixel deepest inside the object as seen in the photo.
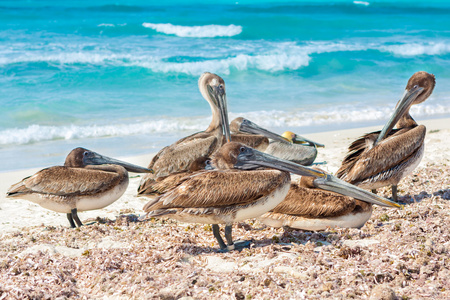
(246, 126)
(424, 80)
(212, 88)
(81, 157)
(297, 139)
(419, 88)
(248, 158)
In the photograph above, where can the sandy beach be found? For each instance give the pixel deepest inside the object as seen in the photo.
(401, 254)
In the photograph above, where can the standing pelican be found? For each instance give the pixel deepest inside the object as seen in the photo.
(288, 146)
(384, 157)
(180, 155)
(87, 181)
(246, 184)
(308, 207)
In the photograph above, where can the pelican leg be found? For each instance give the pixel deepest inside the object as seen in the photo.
(216, 232)
(69, 217)
(239, 245)
(75, 217)
(394, 193)
(228, 237)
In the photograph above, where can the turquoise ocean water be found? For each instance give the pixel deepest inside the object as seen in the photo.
(120, 77)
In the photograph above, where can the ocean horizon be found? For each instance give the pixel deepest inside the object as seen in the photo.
(120, 77)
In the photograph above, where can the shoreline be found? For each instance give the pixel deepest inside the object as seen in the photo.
(53, 152)
(27, 213)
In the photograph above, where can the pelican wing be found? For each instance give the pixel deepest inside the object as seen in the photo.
(179, 156)
(314, 203)
(160, 185)
(219, 188)
(368, 160)
(64, 181)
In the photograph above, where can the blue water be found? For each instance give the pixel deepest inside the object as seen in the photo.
(120, 77)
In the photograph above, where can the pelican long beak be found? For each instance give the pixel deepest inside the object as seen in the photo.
(331, 183)
(298, 139)
(249, 158)
(220, 97)
(248, 126)
(402, 106)
(93, 158)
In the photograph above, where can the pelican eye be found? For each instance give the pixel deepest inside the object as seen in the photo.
(208, 162)
(242, 149)
(416, 86)
(85, 153)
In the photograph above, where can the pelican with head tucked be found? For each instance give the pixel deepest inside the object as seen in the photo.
(384, 157)
(180, 155)
(245, 184)
(289, 146)
(308, 206)
(87, 181)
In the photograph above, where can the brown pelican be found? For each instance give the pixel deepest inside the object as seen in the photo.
(289, 146)
(87, 181)
(309, 207)
(384, 157)
(180, 155)
(246, 184)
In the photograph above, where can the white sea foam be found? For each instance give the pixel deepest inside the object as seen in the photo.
(186, 125)
(365, 3)
(337, 115)
(106, 25)
(270, 62)
(264, 56)
(111, 25)
(195, 31)
(414, 49)
(37, 133)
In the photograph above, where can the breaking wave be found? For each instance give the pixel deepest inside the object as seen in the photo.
(263, 56)
(186, 125)
(205, 31)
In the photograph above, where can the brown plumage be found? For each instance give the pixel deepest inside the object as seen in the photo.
(309, 208)
(246, 184)
(257, 142)
(63, 181)
(156, 186)
(222, 196)
(179, 156)
(384, 157)
(87, 181)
